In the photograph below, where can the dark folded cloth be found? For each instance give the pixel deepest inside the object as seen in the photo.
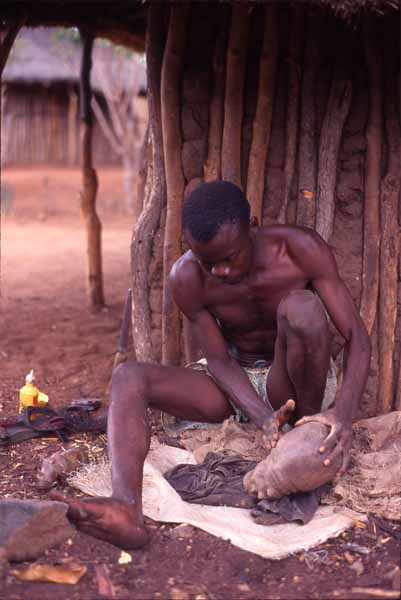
(218, 482)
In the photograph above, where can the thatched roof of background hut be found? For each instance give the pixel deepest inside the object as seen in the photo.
(124, 21)
(47, 56)
(349, 8)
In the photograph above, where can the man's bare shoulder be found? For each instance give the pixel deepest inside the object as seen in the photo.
(186, 269)
(304, 246)
(290, 234)
(186, 280)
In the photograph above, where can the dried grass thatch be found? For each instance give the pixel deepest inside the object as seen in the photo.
(373, 482)
(162, 503)
(349, 8)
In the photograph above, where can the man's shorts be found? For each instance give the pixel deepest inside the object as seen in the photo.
(258, 375)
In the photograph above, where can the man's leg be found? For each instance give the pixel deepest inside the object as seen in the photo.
(301, 354)
(135, 387)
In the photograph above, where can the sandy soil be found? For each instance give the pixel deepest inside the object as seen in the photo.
(45, 324)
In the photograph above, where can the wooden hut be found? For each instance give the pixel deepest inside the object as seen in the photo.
(40, 90)
(299, 104)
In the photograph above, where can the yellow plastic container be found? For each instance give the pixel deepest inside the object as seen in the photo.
(29, 395)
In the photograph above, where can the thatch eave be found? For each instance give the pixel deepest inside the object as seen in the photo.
(124, 21)
(349, 8)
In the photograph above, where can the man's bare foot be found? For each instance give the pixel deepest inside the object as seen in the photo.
(108, 519)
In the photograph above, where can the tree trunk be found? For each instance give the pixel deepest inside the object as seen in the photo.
(234, 99)
(390, 240)
(293, 97)
(306, 203)
(173, 61)
(212, 166)
(263, 116)
(90, 183)
(148, 223)
(337, 110)
(371, 235)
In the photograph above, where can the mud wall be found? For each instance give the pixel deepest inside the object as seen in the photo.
(336, 48)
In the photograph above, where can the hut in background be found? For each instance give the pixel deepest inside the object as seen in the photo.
(296, 102)
(40, 89)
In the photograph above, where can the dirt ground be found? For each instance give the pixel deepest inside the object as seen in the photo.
(46, 325)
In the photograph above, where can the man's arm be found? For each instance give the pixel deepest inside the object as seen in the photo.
(187, 288)
(318, 262)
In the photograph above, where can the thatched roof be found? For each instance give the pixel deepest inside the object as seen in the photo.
(348, 8)
(124, 21)
(46, 56)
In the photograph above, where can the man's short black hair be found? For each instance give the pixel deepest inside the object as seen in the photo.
(212, 205)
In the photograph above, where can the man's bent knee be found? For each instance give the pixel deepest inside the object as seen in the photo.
(303, 313)
(130, 377)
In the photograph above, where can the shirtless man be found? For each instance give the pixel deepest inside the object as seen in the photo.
(248, 293)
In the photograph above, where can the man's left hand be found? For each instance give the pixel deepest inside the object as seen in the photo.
(272, 424)
(337, 441)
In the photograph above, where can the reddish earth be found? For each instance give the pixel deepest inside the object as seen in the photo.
(46, 325)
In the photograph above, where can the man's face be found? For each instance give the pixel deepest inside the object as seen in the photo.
(227, 256)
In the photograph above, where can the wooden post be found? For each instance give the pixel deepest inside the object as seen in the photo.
(8, 33)
(293, 98)
(90, 183)
(72, 126)
(371, 224)
(173, 61)
(338, 105)
(149, 220)
(212, 166)
(141, 179)
(7, 37)
(234, 99)
(306, 202)
(398, 323)
(390, 240)
(263, 115)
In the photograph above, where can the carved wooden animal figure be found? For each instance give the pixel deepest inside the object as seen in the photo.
(294, 465)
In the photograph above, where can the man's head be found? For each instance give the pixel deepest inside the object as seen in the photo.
(212, 205)
(216, 226)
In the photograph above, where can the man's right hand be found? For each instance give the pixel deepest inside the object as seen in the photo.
(270, 427)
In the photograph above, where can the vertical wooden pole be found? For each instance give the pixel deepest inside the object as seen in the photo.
(371, 224)
(293, 100)
(71, 125)
(141, 179)
(398, 324)
(8, 33)
(212, 166)
(234, 99)
(306, 202)
(264, 111)
(338, 106)
(390, 239)
(173, 62)
(89, 176)
(7, 37)
(149, 221)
